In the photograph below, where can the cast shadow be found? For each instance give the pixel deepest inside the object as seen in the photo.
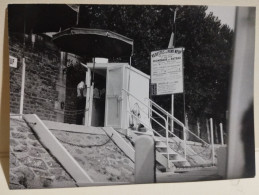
(248, 139)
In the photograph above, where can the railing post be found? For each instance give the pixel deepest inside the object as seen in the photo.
(184, 137)
(212, 140)
(208, 130)
(22, 85)
(198, 129)
(221, 133)
(167, 144)
(216, 134)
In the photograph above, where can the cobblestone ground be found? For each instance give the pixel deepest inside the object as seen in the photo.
(99, 156)
(31, 165)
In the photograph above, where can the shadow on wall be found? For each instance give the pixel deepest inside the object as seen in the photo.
(249, 142)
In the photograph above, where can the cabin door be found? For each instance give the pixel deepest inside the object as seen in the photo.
(113, 105)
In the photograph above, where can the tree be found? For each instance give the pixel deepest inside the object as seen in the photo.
(207, 43)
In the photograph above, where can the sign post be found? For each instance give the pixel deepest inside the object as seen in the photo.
(171, 45)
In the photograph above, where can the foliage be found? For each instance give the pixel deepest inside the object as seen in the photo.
(207, 43)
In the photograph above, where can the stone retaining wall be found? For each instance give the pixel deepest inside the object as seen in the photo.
(31, 165)
(42, 70)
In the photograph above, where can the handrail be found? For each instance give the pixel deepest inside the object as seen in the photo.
(146, 125)
(165, 112)
(166, 127)
(166, 123)
(144, 104)
(192, 134)
(165, 116)
(185, 129)
(175, 120)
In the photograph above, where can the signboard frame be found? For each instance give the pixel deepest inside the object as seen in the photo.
(14, 63)
(156, 84)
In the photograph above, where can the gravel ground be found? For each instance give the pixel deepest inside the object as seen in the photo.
(31, 165)
(99, 156)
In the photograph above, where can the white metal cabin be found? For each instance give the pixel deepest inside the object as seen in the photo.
(119, 78)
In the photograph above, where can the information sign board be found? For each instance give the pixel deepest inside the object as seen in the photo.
(12, 62)
(167, 71)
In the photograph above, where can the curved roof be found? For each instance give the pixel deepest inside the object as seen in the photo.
(93, 42)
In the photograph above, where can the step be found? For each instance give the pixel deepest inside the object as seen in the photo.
(170, 153)
(203, 170)
(161, 150)
(178, 160)
(161, 145)
(142, 133)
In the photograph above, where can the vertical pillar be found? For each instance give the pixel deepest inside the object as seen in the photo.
(186, 121)
(172, 112)
(88, 103)
(61, 88)
(216, 134)
(221, 133)
(171, 45)
(23, 85)
(208, 130)
(212, 140)
(144, 160)
(198, 129)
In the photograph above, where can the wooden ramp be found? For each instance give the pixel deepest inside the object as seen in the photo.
(120, 142)
(73, 128)
(51, 143)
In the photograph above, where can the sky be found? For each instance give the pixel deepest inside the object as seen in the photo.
(225, 13)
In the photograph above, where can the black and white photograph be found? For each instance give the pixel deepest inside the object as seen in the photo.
(130, 94)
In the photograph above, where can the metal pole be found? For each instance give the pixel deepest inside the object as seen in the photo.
(198, 129)
(184, 137)
(212, 141)
(208, 130)
(171, 45)
(216, 134)
(128, 105)
(221, 133)
(23, 85)
(167, 145)
(23, 68)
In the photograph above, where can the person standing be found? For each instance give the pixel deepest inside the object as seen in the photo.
(81, 99)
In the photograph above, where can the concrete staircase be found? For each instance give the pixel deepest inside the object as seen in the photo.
(167, 159)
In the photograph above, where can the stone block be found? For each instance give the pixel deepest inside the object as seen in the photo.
(36, 152)
(14, 162)
(18, 135)
(32, 137)
(20, 148)
(13, 142)
(34, 163)
(22, 129)
(113, 171)
(53, 164)
(56, 171)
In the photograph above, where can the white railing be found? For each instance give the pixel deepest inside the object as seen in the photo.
(149, 127)
(185, 129)
(152, 103)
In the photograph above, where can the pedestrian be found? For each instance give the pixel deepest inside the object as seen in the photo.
(81, 100)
